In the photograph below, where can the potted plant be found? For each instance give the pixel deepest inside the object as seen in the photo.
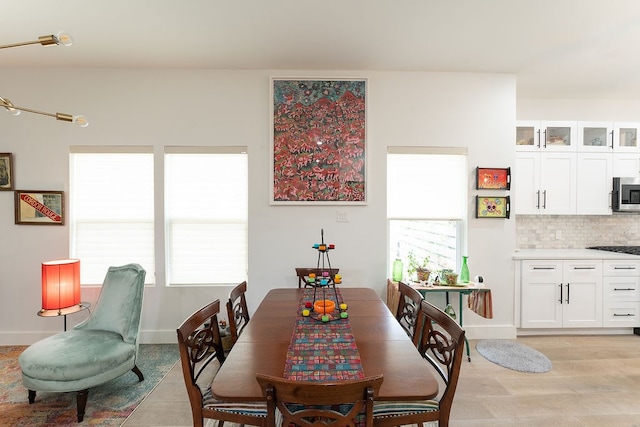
(418, 266)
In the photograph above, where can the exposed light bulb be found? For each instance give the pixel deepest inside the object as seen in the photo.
(81, 121)
(64, 39)
(9, 107)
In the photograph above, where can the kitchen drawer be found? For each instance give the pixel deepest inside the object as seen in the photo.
(621, 268)
(621, 314)
(621, 289)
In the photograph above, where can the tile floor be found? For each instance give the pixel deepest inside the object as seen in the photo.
(595, 381)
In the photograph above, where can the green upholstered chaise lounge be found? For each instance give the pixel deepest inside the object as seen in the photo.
(103, 347)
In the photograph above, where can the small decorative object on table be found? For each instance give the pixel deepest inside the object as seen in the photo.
(324, 309)
(420, 268)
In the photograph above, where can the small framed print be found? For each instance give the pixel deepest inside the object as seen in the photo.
(493, 207)
(39, 207)
(493, 178)
(6, 172)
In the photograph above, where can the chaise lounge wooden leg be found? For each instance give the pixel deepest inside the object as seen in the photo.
(81, 403)
(32, 396)
(138, 373)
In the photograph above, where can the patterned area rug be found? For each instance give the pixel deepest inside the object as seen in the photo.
(513, 355)
(108, 405)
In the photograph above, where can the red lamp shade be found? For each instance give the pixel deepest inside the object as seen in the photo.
(60, 284)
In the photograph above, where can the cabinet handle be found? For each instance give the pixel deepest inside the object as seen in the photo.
(545, 139)
(544, 268)
(538, 138)
(611, 133)
(538, 198)
(623, 268)
(585, 268)
(567, 293)
(544, 199)
(623, 315)
(624, 289)
(560, 301)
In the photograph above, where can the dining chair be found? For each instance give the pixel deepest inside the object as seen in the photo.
(316, 404)
(303, 275)
(201, 355)
(237, 311)
(442, 345)
(409, 300)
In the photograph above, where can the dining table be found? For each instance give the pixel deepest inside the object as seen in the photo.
(383, 346)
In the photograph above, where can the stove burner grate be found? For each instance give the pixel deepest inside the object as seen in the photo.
(631, 250)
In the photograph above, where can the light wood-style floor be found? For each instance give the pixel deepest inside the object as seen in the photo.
(595, 381)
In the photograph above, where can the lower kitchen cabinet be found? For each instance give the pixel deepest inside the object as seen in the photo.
(621, 294)
(561, 293)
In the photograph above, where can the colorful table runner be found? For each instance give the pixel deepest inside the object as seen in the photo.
(322, 351)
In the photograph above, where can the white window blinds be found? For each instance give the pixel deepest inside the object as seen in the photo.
(206, 209)
(426, 183)
(111, 209)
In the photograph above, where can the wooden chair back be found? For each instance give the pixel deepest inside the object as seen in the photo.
(407, 313)
(237, 311)
(319, 404)
(442, 345)
(201, 355)
(303, 274)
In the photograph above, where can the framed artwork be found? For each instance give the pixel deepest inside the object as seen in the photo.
(493, 178)
(6, 171)
(39, 207)
(318, 141)
(493, 207)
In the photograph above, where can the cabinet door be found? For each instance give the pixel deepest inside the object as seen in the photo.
(626, 164)
(595, 136)
(558, 135)
(625, 137)
(526, 186)
(528, 135)
(582, 294)
(558, 183)
(540, 294)
(594, 183)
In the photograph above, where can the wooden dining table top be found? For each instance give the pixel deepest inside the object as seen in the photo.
(383, 345)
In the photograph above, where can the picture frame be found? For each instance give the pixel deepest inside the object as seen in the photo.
(6, 172)
(318, 141)
(493, 178)
(36, 207)
(493, 207)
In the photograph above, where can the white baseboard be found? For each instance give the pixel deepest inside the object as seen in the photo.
(503, 332)
(28, 338)
(575, 331)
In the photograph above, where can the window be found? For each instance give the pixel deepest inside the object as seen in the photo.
(427, 204)
(111, 209)
(206, 209)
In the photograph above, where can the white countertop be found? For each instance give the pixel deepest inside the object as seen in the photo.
(569, 254)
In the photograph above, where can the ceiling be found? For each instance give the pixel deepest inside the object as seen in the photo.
(556, 48)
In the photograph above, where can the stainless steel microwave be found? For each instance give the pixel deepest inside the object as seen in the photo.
(626, 194)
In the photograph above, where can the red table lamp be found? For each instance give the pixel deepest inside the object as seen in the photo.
(60, 284)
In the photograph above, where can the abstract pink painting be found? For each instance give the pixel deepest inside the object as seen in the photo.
(318, 141)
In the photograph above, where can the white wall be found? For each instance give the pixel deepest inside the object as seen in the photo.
(206, 107)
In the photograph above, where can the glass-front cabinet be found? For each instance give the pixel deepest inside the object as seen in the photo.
(595, 136)
(546, 135)
(625, 137)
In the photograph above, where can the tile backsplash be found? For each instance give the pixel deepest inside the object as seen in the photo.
(576, 231)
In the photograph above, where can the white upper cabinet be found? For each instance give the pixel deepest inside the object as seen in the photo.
(595, 137)
(546, 135)
(594, 183)
(625, 137)
(545, 183)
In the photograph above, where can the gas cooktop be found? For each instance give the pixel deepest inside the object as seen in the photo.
(632, 250)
